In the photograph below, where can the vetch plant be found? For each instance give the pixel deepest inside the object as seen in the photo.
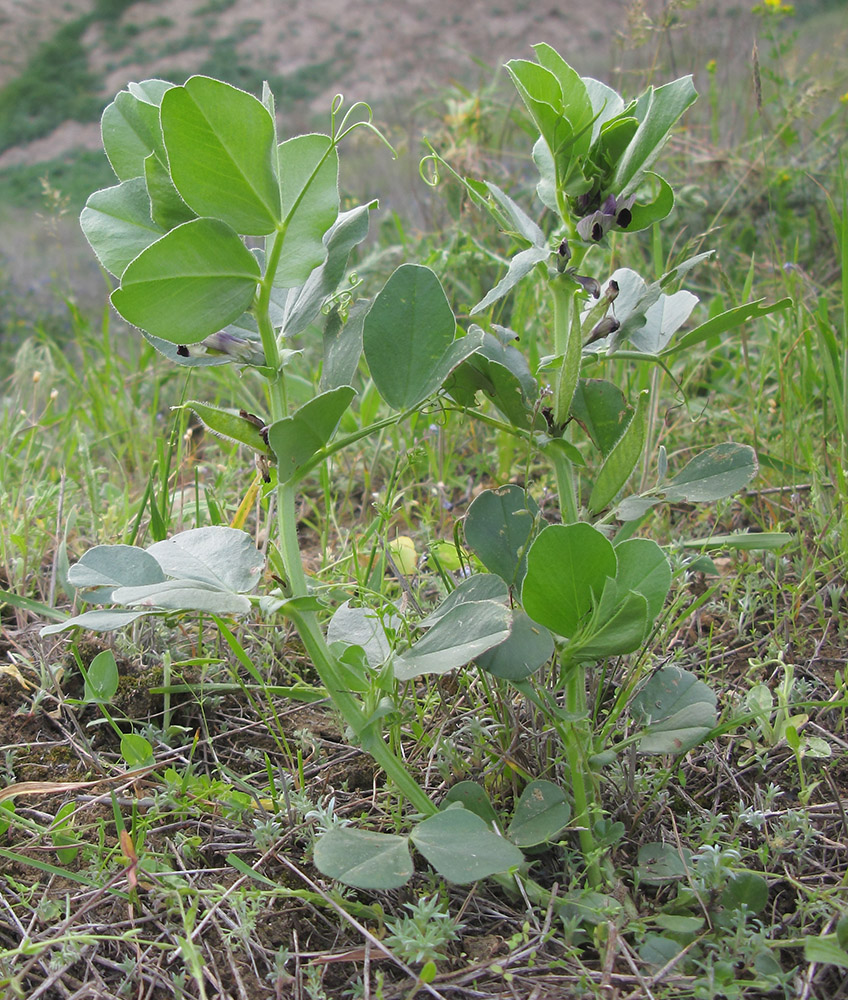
(228, 245)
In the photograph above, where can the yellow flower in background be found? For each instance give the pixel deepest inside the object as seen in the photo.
(844, 98)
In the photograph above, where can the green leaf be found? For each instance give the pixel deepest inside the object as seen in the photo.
(221, 149)
(462, 848)
(658, 863)
(602, 411)
(184, 595)
(528, 647)
(217, 556)
(662, 320)
(676, 710)
(541, 814)
(296, 439)
(519, 267)
(716, 473)
(189, 284)
(745, 889)
(361, 627)
(166, 206)
(567, 566)
(466, 631)
(101, 678)
(304, 306)
(363, 859)
(473, 798)
(136, 751)
(480, 587)
(746, 541)
(106, 620)
(618, 626)
(725, 321)
(622, 459)
(308, 168)
(825, 951)
(105, 567)
(645, 214)
(498, 528)
(501, 372)
(130, 128)
(117, 224)
(663, 108)
(409, 337)
(230, 424)
(643, 567)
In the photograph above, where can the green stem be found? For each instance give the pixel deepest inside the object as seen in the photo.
(306, 622)
(575, 737)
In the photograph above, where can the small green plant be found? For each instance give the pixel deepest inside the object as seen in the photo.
(422, 936)
(229, 247)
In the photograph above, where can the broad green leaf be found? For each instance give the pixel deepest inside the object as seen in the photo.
(528, 647)
(117, 224)
(725, 321)
(606, 103)
(519, 267)
(409, 337)
(676, 710)
(363, 859)
(101, 678)
(716, 473)
(679, 924)
(217, 556)
(360, 627)
(296, 439)
(567, 565)
(602, 411)
(342, 347)
(501, 372)
(825, 950)
(576, 102)
(645, 214)
(462, 848)
(230, 424)
(743, 541)
(643, 567)
(96, 621)
(658, 951)
(662, 320)
(541, 814)
(465, 632)
(745, 889)
(526, 228)
(480, 587)
(105, 567)
(498, 528)
(189, 284)
(588, 907)
(304, 306)
(472, 797)
(130, 131)
(622, 630)
(136, 751)
(166, 206)
(183, 595)
(622, 459)
(664, 106)
(308, 168)
(221, 149)
(658, 863)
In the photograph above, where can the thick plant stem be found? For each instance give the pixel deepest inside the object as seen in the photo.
(575, 736)
(305, 621)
